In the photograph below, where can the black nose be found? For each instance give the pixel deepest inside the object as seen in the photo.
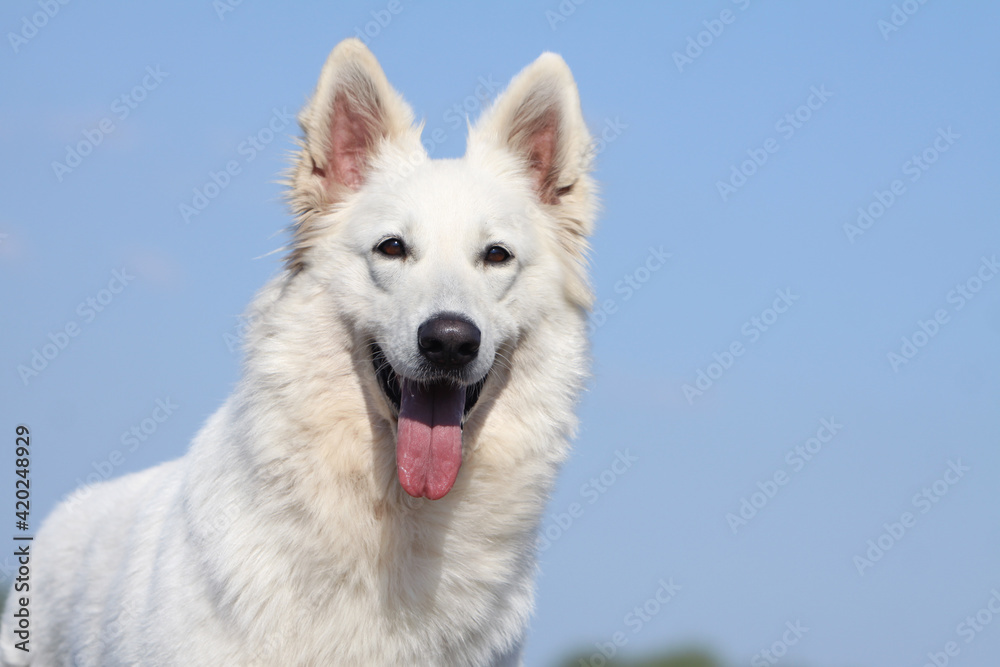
(448, 341)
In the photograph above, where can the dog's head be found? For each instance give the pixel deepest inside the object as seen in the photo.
(440, 266)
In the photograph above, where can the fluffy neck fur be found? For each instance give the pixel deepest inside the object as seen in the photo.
(345, 527)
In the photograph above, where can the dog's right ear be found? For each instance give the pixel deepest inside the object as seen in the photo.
(351, 117)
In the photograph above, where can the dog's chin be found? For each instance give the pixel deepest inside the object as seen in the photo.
(390, 383)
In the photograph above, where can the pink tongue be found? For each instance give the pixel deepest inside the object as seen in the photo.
(429, 438)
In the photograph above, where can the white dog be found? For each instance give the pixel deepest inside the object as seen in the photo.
(371, 492)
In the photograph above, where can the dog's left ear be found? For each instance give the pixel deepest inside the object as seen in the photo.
(538, 121)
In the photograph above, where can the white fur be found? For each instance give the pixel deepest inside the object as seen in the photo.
(283, 537)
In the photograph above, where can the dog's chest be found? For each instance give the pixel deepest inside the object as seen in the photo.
(422, 588)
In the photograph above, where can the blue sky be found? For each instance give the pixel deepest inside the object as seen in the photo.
(800, 223)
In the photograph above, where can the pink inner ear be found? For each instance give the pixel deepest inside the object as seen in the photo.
(541, 150)
(351, 140)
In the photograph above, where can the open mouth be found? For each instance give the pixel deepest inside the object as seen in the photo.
(390, 383)
(429, 427)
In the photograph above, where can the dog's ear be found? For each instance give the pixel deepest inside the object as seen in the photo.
(538, 121)
(353, 115)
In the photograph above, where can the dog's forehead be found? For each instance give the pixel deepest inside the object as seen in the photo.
(454, 190)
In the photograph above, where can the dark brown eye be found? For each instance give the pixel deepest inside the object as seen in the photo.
(392, 248)
(497, 255)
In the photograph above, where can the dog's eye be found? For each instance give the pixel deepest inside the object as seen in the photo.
(497, 254)
(392, 248)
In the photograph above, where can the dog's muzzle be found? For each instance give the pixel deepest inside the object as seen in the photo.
(431, 410)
